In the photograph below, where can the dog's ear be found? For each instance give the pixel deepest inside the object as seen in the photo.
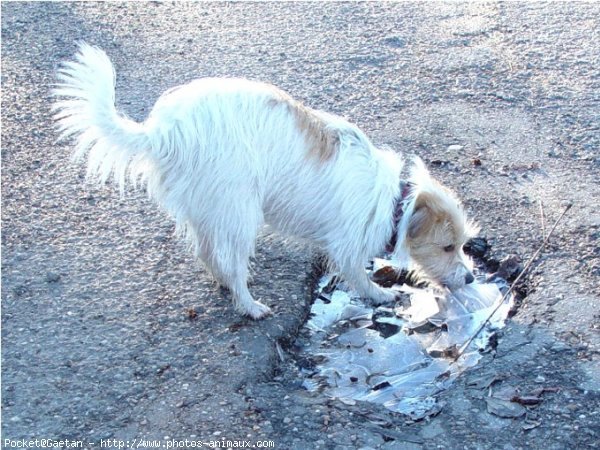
(418, 221)
(422, 215)
(425, 215)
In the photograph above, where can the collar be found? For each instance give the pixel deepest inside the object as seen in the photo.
(405, 188)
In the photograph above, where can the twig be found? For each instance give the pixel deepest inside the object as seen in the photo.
(463, 347)
(543, 220)
(279, 351)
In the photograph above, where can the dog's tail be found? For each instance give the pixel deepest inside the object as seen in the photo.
(86, 111)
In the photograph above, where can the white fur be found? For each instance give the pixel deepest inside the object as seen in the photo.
(225, 156)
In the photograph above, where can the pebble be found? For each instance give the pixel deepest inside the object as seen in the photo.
(559, 346)
(52, 277)
(455, 148)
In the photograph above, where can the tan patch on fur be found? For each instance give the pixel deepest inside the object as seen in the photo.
(322, 143)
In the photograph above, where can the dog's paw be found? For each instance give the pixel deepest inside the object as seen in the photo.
(257, 311)
(383, 296)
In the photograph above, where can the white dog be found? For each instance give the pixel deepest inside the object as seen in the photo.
(225, 156)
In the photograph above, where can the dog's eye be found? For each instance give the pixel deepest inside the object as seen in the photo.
(449, 248)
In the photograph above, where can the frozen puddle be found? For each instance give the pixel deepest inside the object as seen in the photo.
(399, 356)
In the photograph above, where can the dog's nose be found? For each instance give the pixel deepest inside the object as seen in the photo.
(469, 278)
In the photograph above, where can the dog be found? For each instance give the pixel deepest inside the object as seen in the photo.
(223, 156)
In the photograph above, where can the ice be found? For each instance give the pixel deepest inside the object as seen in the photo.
(326, 313)
(406, 368)
(423, 305)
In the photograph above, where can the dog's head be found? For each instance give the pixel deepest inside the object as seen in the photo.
(436, 231)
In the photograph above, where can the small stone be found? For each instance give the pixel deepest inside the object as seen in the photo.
(504, 96)
(540, 379)
(503, 408)
(395, 41)
(559, 347)
(455, 148)
(530, 424)
(287, 420)
(52, 277)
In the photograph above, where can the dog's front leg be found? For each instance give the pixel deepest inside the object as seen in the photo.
(367, 288)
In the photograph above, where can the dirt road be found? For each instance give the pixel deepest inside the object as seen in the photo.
(111, 331)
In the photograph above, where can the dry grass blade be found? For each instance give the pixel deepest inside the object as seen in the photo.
(512, 286)
(542, 219)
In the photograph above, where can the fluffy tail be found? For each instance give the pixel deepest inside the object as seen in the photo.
(86, 111)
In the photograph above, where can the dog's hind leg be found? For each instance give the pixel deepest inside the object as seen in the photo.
(228, 257)
(243, 301)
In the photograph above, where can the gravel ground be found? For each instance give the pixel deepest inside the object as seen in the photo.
(111, 330)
